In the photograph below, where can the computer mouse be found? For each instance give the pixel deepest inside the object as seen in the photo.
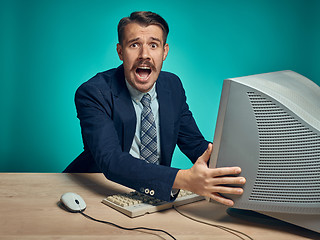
(73, 202)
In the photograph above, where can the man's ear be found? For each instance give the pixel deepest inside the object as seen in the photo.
(166, 50)
(119, 51)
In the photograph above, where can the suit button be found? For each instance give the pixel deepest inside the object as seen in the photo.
(146, 191)
(142, 190)
(152, 192)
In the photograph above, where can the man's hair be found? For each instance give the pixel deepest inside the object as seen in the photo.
(145, 19)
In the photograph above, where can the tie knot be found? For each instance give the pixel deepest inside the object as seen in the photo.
(146, 100)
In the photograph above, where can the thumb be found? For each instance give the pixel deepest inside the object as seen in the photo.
(204, 158)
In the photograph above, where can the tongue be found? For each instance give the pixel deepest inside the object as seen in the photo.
(143, 73)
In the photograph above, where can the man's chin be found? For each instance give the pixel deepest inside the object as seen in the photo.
(144, 86)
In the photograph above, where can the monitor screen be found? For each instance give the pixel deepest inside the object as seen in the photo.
(269, 125)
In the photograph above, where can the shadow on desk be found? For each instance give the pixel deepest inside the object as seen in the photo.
(246, 219)
(97, 184)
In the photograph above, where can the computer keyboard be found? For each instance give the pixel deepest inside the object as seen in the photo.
(136, 204)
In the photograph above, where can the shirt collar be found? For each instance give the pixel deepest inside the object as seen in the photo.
(136, 95)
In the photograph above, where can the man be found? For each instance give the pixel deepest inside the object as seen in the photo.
(116, 121)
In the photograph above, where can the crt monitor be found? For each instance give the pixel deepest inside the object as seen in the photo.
(269, 125)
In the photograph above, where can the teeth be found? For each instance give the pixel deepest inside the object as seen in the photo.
(144, 67)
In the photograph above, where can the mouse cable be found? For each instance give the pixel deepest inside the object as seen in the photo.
(125, 228)
(229, 230)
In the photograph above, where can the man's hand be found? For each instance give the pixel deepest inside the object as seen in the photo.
(209, 182)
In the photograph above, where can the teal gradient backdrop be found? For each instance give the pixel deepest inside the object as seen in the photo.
(48, 48)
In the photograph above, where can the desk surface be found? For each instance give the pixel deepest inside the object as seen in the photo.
(29, 209)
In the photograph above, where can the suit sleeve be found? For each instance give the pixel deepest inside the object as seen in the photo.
(95, 111)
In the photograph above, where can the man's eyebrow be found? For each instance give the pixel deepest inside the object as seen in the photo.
(133, 40)
(156, 39)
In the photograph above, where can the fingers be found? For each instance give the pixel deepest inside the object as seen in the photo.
(223, 171)
(217, 184)
(215, 195)
(227, 181)
(227, 190)
(218, 198)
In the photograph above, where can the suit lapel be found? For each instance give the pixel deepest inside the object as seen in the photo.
(124, 114)
(166, 118)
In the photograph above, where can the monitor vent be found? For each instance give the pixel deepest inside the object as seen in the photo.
(289, 161)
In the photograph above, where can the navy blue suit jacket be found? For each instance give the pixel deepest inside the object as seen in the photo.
(108, 122)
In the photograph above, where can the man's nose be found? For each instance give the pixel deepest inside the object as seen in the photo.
(144, 52)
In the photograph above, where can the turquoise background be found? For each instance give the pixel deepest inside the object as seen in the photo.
(49, 47)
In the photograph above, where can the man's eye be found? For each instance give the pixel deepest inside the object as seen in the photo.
(134, 45)
(153, 45)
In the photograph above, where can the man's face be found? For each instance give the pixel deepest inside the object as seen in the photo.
(142, 52)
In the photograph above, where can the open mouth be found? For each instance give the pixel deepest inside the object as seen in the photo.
(143, 72)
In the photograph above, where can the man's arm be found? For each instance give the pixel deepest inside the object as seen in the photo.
(209, 182)
(99, 112)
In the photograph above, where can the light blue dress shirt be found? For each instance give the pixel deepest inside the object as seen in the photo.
(136, 96)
